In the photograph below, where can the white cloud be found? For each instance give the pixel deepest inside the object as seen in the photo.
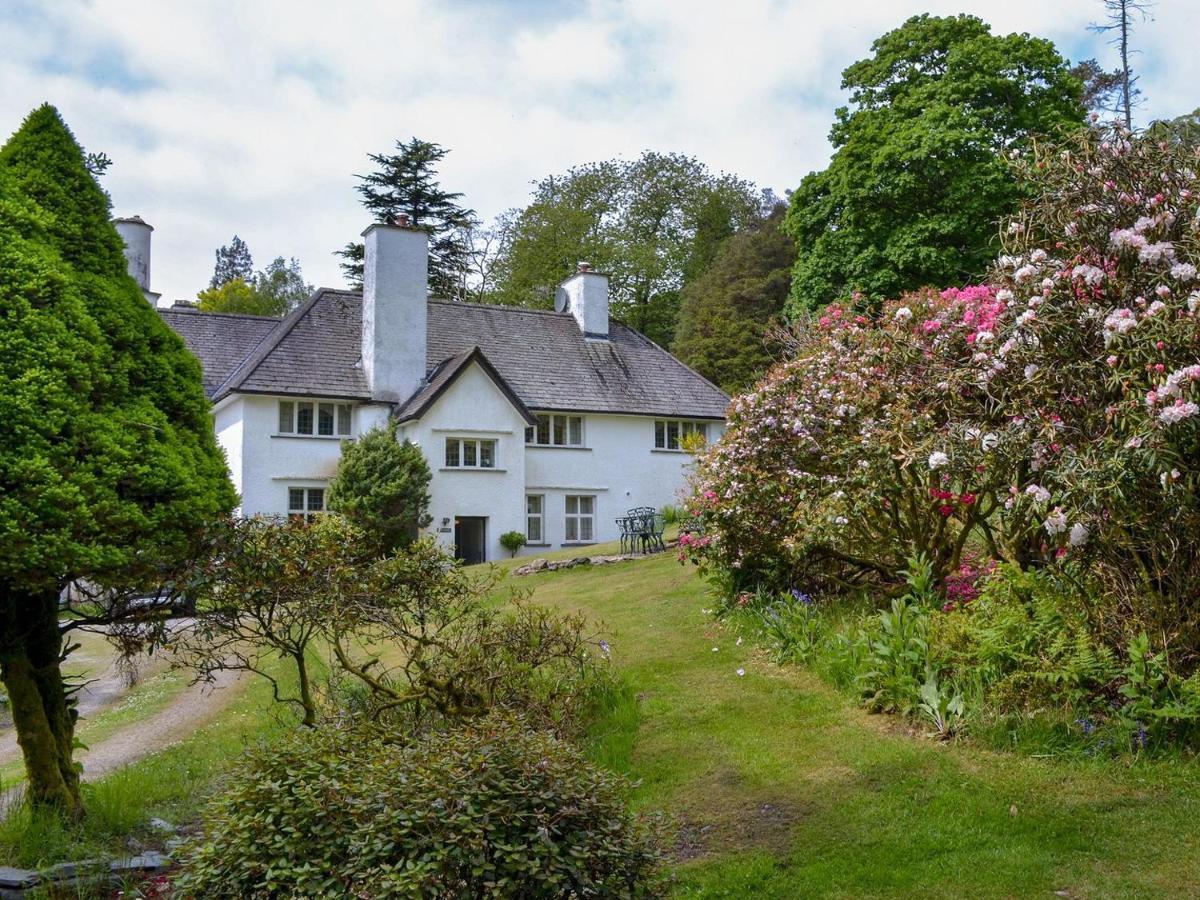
(252, 118)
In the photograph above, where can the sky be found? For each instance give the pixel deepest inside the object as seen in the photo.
(252, 116)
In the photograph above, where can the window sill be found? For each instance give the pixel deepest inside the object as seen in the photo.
(537, 545)
(555, 447)
(469, 469)
(577, 544)
(317, 437)
(668, 450)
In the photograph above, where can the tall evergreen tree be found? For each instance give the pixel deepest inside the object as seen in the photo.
(233, 261)
(109, 468)
(406, 182)
(727, 311)
(918, 183)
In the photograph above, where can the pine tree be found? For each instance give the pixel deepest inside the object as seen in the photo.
(1120, 23)
(406, 183)
(233, 261)
(109, 468)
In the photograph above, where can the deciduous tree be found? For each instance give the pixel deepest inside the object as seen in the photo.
(917, 183)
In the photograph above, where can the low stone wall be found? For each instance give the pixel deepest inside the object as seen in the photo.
(546, 565)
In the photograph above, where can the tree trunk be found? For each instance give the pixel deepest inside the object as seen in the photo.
(30, 665)
(306, 697)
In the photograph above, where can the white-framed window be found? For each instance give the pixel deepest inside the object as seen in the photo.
(669, 432)
(581, 517)
(305, 502)
(307, 418)
(470, 453)
(535, 518)
(553, 430)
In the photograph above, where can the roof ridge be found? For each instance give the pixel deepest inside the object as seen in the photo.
(193, 311)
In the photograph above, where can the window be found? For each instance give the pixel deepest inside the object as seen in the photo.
(556, 431)
(306, 417)
(581, 517)
(669, 432)
(469, 453)
(306, 503)
(535, 518)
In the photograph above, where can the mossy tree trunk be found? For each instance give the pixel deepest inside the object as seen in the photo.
(44, 718)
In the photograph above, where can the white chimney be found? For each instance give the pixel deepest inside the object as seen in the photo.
(585, 296)
(136, 234)
(394, 311)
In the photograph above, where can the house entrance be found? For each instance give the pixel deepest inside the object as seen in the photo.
(470, 536)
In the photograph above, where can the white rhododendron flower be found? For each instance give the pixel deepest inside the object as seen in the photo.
(1056, 522)
(903, 314)
(1079, 535)
(937, 459)
(1038, 493)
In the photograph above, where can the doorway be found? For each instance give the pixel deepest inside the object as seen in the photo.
(470, 539)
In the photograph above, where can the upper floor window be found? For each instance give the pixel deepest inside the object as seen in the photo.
(312, 417)
(556, 431)
(306, 502)
(470, 453)
(669, 432)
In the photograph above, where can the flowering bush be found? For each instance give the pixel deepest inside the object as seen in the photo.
(1099, 347)
(1049, 417)
(861, 451)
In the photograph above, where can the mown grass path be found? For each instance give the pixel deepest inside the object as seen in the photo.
(784, 788)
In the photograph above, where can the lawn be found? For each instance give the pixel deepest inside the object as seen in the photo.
(780, 785)
(784, 788)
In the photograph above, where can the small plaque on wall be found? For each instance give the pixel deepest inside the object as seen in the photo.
(444, 530)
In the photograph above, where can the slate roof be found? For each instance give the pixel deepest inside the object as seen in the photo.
(220, 340)
(541, 356)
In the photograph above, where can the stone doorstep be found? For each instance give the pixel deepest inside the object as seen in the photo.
(15, 883)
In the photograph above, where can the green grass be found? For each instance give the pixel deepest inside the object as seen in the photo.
(784, 788)
(780, 785)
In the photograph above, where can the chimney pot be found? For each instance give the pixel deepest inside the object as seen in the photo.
(402, 220)
(135, 232)
(584, 266)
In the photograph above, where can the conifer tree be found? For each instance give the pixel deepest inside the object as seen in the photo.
(233, 261)
(109, 468)
(406, 182)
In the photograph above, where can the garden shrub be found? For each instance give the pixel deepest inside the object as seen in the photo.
(512, 541)
(491, 809)
(1025, 643)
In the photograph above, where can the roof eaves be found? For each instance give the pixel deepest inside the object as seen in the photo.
(457, 365)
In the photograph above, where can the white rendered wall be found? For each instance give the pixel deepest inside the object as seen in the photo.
(394, 310)
(473, 407)
(227, 420)
(619, 465)
(271, 463)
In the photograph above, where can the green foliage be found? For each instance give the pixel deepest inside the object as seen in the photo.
(382, 486)
(234, 263)
(512, 541)
(1160, 707)
(941, 705)
(917, 184)
(109, 468)
(1025, 641)
(897, 659)
(406, 183)
(233, 296)
(488, 810)
(726, 312)
(653, 224)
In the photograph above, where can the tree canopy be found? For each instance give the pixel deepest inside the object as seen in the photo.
(918, 183)
(275, 291)
(109, 468)
(406, 182)
(652, 224)
(726, 312)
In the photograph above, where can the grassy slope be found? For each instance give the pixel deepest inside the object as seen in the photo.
(785, 789)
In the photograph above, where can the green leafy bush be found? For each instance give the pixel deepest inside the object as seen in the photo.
(488, 810)
(1160, 707)
(1026, 643)
(512, 541)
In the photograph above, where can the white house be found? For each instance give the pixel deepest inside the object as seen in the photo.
(548, 423)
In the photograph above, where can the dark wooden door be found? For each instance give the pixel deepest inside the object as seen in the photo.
(470, 539)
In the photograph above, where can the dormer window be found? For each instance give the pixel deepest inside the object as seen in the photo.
(556, 431)
(314, 418)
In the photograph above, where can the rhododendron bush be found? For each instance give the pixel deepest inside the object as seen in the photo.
(1048, 418)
